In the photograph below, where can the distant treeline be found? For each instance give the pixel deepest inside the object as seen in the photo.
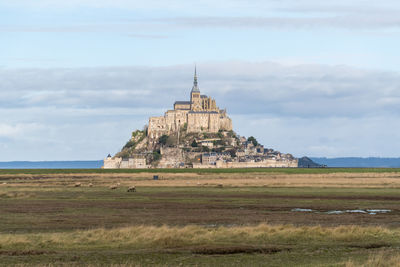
(372, 162)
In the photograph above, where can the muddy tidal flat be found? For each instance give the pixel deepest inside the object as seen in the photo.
(244, 217)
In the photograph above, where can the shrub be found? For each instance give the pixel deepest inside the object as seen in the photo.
(253, 140)
(137, 132)
(129, 144)
(163, 139)
(231, 133)
(205, 148)
(232, 152)
(156, 155)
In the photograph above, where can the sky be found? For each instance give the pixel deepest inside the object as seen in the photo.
(304, 77)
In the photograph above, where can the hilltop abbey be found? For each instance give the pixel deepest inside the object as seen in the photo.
(200, 114)
(195, 134)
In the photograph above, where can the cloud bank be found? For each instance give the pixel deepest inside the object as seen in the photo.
(85, 113)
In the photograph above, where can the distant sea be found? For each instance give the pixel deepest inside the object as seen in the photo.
(355, 162)
(87, 164)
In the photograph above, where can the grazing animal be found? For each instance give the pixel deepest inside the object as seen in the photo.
(132, 189)
(220, 185)
(77, 184)
(90, 185)
(113, 187)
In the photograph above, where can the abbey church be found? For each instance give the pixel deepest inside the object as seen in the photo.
(200, 114)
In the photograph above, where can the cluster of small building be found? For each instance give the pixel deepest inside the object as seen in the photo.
(248, 156)
(242, 155)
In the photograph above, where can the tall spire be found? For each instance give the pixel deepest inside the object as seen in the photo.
(195, 88)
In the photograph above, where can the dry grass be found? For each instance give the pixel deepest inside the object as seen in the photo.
(72, 264)
(352, 180)
(385, 258)
(164, 237)
(16, 195)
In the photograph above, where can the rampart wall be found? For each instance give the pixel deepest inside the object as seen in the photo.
(129, 163)
(261, 164)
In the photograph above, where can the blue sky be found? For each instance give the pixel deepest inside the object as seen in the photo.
(305, 77)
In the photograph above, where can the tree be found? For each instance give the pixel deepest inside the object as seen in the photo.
(253, 140)
(232, 152)
(163, 139)
(205, 149)
(156, 155)
(194, 144)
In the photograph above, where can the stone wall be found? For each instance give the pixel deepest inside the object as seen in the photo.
(225, 123)
(196, 122)
(157, 127)
(174, 119)
(261, 164)
(129, 163)
(203, 121)
(172, 157)
(112, 163)
(179, 106)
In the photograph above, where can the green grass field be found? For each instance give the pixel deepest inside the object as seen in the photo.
(245, 170)
(45, 220)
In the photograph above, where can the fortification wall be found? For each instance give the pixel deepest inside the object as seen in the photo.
(261, 164)
(172, 157)
(157, 127)
(137, 163)
(175, 119)
(130, 163)
(213, 122)
(112, 163)
(198, 122)
(225, 123)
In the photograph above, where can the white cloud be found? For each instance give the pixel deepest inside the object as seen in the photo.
(346, 21)
(19, 130)
(313, 110)
(328, 137)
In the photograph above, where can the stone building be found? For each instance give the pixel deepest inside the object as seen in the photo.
(200, 114)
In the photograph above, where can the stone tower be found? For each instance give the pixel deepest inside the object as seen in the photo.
(195, 99)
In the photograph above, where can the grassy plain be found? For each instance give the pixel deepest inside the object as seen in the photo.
(205, 217)
(230, 170)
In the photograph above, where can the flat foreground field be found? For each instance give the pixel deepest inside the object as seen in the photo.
(275, 217)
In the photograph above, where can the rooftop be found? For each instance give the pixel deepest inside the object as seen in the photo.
(182, 102)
